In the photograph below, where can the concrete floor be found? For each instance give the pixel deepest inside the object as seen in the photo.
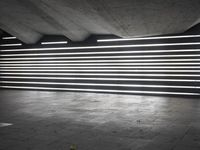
(56, 120)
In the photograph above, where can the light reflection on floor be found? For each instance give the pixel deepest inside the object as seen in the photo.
(55, 120)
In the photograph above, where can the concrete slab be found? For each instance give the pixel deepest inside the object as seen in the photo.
(79, 19)
(56, 120)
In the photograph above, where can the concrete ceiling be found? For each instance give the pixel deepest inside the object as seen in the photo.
(29, 20)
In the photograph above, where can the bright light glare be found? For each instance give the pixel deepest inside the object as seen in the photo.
(90, 64)
(8, 38)
(58, 42)
(18, 44)
(102, 47)
(148, 38)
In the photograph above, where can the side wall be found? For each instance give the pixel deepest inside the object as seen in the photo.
(159, 66)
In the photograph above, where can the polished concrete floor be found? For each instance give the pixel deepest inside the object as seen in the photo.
(56, 120)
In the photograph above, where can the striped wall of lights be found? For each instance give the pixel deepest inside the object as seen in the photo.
(10, 41)
(104, 47)
(158, 68)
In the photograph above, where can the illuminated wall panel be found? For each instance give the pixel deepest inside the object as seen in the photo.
(147, 66)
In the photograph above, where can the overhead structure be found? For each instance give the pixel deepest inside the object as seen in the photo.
(29, 20)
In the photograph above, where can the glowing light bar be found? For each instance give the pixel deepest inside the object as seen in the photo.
(135, 56)
(90, 64)
(148, 38)
(101, 90)
(59, 42)
(99, 79)
(97, 74)
(102, 47)
(17, 44)
(101, 84)
(75, 67)
(112, 52)
(8, 38)
(83, 70)
(3, 124)
(93, 61)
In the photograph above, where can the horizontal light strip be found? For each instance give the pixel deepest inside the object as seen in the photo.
(8, 38)
(100, 90)
(85, 67)
(102, 47)
(17, 44)
(90, 64)
(82, 70)
(114, 60)
(147, 38)
(101, 84)
(113, 52)
(135, 56)
(59, 42)
(100, 74)
(106, 79)
(3, 124)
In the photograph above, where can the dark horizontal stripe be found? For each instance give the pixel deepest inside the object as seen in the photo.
(172, 49)
(35, 74)
(103, 79)
(65, 66)
(55, 59)
(112, 87)
(103, 90)
(174, 82)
